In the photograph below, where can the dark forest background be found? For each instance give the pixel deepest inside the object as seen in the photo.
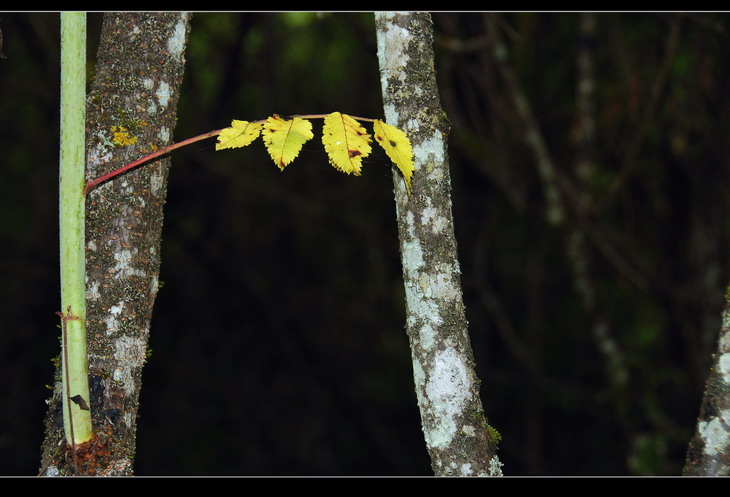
(278, 343)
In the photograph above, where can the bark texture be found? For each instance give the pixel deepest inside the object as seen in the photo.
(709, 449)
(131, 111)
(458, 438)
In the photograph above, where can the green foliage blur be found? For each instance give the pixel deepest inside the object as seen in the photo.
(284, 288)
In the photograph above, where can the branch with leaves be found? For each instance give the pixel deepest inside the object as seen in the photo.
(345, 140)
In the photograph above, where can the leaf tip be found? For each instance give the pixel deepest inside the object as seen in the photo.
(398, 147)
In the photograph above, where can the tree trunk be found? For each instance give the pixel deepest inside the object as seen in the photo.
(131, 111)
(709, 449)
(458, 438)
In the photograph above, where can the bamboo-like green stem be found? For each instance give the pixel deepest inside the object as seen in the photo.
(76, 413)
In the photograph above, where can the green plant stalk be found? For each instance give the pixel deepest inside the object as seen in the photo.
(76, 413)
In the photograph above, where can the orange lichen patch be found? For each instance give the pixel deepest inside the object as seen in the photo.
(91, 458)
(122, 137)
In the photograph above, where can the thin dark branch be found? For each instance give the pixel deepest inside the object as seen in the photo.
(650, 109)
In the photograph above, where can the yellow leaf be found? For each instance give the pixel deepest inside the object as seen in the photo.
(284, 138)
(240, 134)
(398, 147)
(346, 142)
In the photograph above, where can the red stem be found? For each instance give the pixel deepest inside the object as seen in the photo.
(105, 177)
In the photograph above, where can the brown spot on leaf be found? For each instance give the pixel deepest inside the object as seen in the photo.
(353, 153)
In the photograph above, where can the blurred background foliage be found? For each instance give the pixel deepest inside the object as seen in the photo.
(278, 343)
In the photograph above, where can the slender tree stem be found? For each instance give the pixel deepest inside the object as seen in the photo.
(76, 414)
(457, 435)
(322, 116)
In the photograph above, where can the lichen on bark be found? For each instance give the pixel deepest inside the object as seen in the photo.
(458, 440)
(139, 72)
(708, 453)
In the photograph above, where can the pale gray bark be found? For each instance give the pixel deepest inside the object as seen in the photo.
(458, 438)
(138, 75)
(709, 449)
